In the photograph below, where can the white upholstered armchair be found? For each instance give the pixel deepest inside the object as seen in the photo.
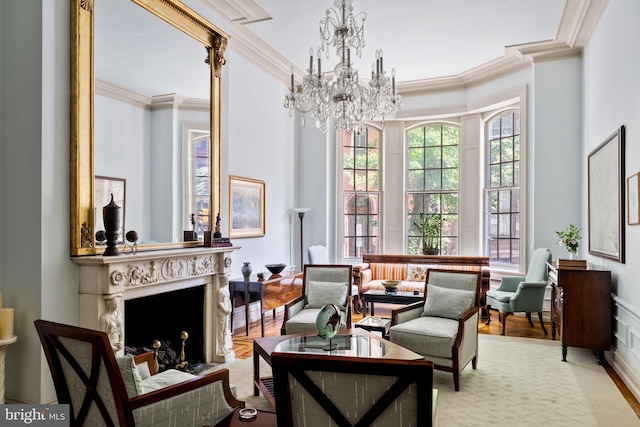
(444, 327)
(101, 391)
(321, 285)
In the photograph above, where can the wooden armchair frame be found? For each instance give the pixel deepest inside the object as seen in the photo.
(106, 396)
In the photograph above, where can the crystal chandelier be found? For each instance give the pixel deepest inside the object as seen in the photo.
(344, 98)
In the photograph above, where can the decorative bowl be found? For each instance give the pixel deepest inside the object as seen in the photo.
(275, 268)
(390, 285)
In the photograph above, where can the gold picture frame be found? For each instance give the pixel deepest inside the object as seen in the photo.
(246, 207)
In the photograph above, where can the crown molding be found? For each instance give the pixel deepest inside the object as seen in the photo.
(142, 101)
(578, 21)
(238, 11)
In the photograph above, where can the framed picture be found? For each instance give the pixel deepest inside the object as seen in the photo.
(606, 198)
(104, 187)
(246, 207)
(633, 199)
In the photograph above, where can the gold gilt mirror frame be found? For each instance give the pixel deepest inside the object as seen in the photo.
(181, 17)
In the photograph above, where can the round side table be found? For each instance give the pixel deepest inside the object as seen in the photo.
(3, 345)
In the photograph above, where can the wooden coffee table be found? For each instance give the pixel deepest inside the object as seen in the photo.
(398, 297)
(375, 347)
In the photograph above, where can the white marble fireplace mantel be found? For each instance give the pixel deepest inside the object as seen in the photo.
(155, 272)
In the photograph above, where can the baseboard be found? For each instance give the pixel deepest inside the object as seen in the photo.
(625, 370)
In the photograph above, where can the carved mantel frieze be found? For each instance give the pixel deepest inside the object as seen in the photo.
(165, 270)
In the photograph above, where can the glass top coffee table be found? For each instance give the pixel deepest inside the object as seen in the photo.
(351, 343)
(375, 324)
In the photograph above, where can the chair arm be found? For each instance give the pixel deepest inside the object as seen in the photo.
(529, 297)
(188, 386)
(467, 338)
(291, 308)
(406, 313)
(510, 283)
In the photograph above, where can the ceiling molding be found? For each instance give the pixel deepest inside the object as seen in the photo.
(579, 19)
(121, 94)
(238, 11)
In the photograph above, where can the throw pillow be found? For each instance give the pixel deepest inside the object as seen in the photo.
(446, 302)
(130, 375)
(417, 273)
(320, 294)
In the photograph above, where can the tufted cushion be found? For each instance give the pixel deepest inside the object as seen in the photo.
(321, 293)
(447, 303)
(432, 336)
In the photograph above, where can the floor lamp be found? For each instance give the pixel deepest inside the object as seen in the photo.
(301, 212)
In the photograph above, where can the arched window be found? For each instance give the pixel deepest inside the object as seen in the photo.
(433, 161)
(361, 192)
(502, 189)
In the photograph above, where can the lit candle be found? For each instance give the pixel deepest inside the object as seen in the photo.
(6, 323)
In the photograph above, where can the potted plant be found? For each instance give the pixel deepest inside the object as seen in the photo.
(429, 226)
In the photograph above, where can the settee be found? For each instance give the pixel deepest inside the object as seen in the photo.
(411, 270)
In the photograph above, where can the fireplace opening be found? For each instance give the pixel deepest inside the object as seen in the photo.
(163, 317)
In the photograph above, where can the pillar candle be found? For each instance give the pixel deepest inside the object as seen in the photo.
(6, 323)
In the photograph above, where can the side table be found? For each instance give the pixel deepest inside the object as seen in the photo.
(375, 324)
(3, 346)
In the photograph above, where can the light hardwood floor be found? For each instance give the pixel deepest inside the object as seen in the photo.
(517, 326)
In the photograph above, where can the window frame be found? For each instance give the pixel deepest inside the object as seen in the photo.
(408, 227)
(190, 133)
(520, 265)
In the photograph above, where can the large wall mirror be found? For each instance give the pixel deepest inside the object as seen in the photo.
(145, 114)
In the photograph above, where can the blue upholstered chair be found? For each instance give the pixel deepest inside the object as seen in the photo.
(322, 284)
(444, 327)
(522, 294)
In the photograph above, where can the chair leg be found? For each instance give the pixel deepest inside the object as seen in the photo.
(488, 310)
(542, 323)
(456, 381)
(474, 362)
(529, 319)
(503, 318)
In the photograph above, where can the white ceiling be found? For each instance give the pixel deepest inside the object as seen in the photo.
(424, 40)
(421, 38)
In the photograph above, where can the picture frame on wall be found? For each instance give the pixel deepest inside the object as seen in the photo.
(246, 207)
(606, 197)
(633, 199)
(104, 187)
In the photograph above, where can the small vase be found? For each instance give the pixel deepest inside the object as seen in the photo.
(246, 271)
(573, 255)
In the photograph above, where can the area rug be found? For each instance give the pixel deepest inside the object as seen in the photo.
(519, 381)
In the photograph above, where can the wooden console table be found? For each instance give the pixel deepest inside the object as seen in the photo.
(581, 308)
(272, 293)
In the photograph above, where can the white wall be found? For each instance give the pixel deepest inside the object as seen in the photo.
(36, 278)
(258, 139)
(612, 98)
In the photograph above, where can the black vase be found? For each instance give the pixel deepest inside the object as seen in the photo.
(111, 219)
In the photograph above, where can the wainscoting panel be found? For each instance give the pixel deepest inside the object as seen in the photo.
(625, 354)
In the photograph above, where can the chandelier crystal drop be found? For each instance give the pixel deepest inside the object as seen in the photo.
(343, 97)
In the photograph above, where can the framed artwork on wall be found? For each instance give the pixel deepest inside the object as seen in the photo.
(633, 199)
(246, 207)
(104, 187)
(606, 198)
